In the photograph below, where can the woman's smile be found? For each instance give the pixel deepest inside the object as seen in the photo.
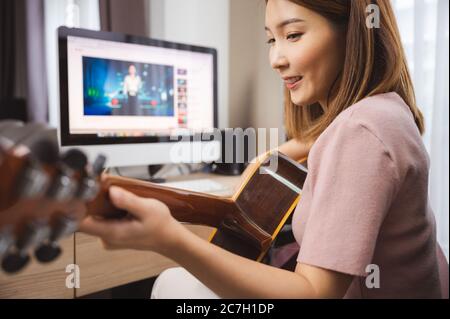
(293, 82)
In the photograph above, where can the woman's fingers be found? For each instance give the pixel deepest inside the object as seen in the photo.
(137, 206)
(143, 231)
(108, 229)
(95, 227)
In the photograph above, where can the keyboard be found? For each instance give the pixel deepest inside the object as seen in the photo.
(200, 185)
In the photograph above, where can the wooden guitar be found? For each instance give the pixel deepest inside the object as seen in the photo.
(36, 211)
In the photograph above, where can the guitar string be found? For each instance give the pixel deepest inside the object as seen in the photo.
(282, 180)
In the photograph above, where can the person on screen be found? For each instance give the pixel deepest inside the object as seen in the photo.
(363, 225)
(131, 86)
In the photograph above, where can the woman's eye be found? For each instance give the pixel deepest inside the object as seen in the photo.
(294, 36)
(270, 41)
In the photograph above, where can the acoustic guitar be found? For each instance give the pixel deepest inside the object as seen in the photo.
(44, 195)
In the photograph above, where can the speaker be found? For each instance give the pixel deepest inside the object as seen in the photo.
(237, 146)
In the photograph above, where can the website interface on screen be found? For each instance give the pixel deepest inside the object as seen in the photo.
(128, 90)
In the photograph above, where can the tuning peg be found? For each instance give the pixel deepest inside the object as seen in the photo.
(47, 252)
(75, 159)
(89, 186)
(45, 151)
(88, 189)
(14, 262)
(99, 165)
(32, 182)
(6, 240)
(64, 186)
(63, 227)
(34, 233)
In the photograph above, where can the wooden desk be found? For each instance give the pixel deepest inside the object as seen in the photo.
(41, 280)
(99, 269)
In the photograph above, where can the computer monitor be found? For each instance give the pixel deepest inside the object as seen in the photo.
(132, 98)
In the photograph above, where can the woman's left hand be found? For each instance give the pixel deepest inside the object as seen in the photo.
(151, 226)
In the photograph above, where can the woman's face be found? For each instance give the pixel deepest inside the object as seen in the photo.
(306, 50)
(132, 70)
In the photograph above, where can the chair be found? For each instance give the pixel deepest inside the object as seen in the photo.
(443, 271)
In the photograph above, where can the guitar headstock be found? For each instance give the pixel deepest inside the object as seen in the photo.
(43, 193)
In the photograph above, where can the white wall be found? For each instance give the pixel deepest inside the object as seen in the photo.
(256, 93)
(55, 16)
(250, 93)
(197, 22)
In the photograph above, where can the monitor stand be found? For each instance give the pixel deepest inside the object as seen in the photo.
(152, 170)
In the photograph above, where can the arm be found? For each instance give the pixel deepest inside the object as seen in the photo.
(232, 276)
(295, 149)
(227, 274)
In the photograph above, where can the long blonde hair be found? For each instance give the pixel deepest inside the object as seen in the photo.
(375, 63)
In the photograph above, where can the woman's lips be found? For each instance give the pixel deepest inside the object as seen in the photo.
(290, 84)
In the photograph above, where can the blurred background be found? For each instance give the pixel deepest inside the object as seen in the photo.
(250, 93)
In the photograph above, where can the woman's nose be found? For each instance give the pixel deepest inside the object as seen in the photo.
(278, 60)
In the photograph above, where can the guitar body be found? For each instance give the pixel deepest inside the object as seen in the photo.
(268, 197)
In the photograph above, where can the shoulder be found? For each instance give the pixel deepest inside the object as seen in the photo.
(385, 116)
(383, 123)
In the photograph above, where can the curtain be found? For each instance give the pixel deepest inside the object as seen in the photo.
(7, 49)
(124, 16)
(424, 26)
(36, 66)
(22, 64)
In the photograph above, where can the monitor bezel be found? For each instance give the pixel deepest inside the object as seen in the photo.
(68, 139)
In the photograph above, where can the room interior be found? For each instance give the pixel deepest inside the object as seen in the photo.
(250, 95)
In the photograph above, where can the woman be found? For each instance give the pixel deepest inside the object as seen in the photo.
(131, 86)
(363, 224)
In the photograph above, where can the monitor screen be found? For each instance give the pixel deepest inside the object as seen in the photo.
(125, 89)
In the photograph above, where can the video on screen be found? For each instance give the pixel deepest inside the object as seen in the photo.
(122, 88)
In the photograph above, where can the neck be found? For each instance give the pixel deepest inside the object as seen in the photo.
(324, 105)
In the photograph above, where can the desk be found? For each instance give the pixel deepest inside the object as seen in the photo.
(99, 269)
(41, 280)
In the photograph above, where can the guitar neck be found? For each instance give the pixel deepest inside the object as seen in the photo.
(185, 206)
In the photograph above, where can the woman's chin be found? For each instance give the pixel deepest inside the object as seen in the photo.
(300, 102)
(302, 99)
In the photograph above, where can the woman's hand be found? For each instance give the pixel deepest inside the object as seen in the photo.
(150, 226)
